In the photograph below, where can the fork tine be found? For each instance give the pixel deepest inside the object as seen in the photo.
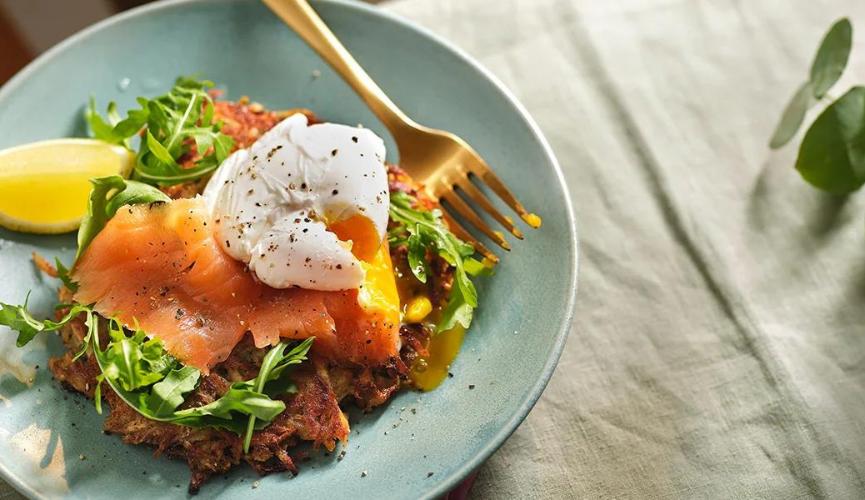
(467, 186)
(462, 208)
(485, 174)
(464, 235)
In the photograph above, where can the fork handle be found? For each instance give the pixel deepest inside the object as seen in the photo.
(300, 17)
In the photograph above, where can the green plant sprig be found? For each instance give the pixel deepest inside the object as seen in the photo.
(831, 155)
(169, 125)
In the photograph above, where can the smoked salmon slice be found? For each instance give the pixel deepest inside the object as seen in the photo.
(160, 266)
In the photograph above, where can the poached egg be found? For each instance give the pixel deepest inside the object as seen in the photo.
(305, 206)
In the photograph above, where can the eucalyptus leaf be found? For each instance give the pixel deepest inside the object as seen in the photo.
(794, 115)
(832, 153)
(831, 58)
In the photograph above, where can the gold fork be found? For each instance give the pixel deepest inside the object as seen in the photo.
(441, 161)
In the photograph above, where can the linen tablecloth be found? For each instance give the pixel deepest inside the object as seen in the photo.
(718, 349)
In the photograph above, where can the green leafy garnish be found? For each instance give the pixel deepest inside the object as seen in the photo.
(134, 361)
(168, 393)
(19, 319)
(154, 383)
(272, 368)
(826, 69)
(171, 124)
(832, 154)
(424, 232)
(106, 197)
(63, 275)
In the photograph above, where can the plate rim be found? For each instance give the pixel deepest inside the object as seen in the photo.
(450, 481)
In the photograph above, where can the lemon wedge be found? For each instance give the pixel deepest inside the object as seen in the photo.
(44, 186)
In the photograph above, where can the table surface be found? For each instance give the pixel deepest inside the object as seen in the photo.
(718, 346)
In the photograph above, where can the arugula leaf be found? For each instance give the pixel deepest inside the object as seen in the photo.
(99, 128)
(134, 362)
(167, 394)
(424, 231)
(63, 275)
(272, 367)
(172, 124)
(832, 57)
(19, 319)
(417, 255)
(832, 153)
(106, 197)
(239, 401)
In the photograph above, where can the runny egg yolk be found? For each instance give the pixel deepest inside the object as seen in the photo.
(378, 294)
(362, 234)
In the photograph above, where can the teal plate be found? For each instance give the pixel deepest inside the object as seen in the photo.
(51, 444)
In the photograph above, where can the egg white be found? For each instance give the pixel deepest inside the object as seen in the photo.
(271, 203)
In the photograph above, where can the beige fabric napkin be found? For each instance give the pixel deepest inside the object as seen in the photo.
(718, 349)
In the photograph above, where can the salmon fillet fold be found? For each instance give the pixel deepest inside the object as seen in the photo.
(159, 265)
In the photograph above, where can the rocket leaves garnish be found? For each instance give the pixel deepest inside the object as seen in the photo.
(151, 381)
(63, 275)
(106, 197)
(18, 318)
(170, 125)
(270, 374)
(424, 232)
(167, 394)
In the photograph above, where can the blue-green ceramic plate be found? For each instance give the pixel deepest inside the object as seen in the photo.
(51, 444)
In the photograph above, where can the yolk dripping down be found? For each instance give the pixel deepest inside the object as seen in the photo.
(378, 294)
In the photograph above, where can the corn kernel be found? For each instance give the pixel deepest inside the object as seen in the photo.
(417, 309)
